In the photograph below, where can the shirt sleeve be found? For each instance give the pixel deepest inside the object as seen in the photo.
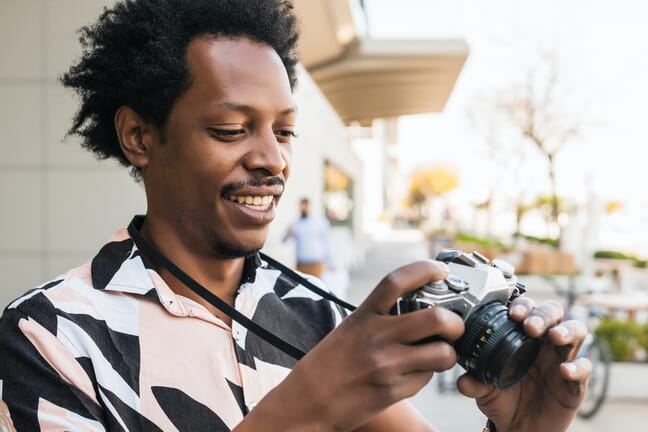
(42, 386)
(335, 311)
(290, 233)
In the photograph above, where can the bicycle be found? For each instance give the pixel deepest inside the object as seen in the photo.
(597, 351)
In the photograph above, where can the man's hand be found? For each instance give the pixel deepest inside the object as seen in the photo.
(370, 361)
(547, 398)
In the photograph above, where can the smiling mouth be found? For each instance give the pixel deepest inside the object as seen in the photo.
(254, 202)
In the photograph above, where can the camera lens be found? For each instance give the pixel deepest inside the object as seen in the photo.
(494, 348)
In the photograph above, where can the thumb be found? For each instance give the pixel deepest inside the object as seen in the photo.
(401, 281)
(470, 386)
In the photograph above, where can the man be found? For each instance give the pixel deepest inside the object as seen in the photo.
(196, 97)
(312, 239)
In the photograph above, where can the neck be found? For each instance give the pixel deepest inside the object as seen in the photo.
(221, 276)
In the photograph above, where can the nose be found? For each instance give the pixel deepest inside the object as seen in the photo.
(267, 154)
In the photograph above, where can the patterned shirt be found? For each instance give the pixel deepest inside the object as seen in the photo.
(109, 346)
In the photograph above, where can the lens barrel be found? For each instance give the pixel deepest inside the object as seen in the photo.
(495, 348)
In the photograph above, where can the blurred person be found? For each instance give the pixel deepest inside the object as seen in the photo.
(312, 235)
(179, 322)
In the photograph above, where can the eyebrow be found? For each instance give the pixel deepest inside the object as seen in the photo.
(248, 109)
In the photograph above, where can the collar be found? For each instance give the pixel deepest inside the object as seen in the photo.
(120, 267)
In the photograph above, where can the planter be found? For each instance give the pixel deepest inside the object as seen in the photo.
(544, 261)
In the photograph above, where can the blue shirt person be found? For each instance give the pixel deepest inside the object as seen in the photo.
(312, 235)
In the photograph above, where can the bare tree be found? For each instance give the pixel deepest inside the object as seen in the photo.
(537, 109)
(501, 146)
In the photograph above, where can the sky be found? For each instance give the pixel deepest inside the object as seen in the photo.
(599, 47)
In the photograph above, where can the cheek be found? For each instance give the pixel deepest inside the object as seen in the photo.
(210, 167)
(287, 157)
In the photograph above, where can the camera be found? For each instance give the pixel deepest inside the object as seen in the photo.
(493, 348)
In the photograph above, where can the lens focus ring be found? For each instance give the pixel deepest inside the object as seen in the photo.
(494, 348)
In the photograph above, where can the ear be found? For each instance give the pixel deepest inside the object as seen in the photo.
(135, 136)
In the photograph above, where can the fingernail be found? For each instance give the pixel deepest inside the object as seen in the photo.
(519, 310)
(571, 368)
(536, 322)
(562, 331)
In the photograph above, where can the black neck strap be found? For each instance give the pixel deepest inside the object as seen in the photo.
(308, 284)
(223, 306)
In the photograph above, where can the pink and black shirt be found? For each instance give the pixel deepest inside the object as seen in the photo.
(109, 347)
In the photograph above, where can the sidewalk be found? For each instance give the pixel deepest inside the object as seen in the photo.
(627, 405)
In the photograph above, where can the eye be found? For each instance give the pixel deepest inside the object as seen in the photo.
(226, 134)
(285, 134)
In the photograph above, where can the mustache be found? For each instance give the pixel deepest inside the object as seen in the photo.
(254, 182)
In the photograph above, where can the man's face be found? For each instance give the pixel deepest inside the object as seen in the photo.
(218, 173)
(303, 208)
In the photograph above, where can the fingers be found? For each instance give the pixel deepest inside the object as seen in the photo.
(413, 384)
(521, 307)
(536, 320)
(416, 326)
(432, 356)
(547, 319)
(570, 334)
(470, 386)
(401, 281)
(576, 370)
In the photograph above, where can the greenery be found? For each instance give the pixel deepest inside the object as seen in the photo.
(543, 240)
(480, 241)
(643, 336)
(610, 254)
(624, 337)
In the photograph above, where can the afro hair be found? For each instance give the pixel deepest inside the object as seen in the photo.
(135, 55)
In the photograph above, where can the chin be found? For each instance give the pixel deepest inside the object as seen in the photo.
(237, 253)
(238, 249)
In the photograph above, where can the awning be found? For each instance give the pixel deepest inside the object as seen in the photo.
(365, 79)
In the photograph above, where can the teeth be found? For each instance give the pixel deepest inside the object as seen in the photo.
(254, 202)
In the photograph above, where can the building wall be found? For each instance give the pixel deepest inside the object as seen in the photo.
(321, 136)
(57, 203)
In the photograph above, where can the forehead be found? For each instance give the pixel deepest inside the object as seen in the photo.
(237, 70)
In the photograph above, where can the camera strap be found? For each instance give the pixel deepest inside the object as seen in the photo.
(308, 284)
(223, 306)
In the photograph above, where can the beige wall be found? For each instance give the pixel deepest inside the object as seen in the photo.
(57, 203)
(322, 135)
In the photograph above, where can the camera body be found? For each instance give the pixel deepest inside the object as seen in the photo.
(493, 348)
(473, 280)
